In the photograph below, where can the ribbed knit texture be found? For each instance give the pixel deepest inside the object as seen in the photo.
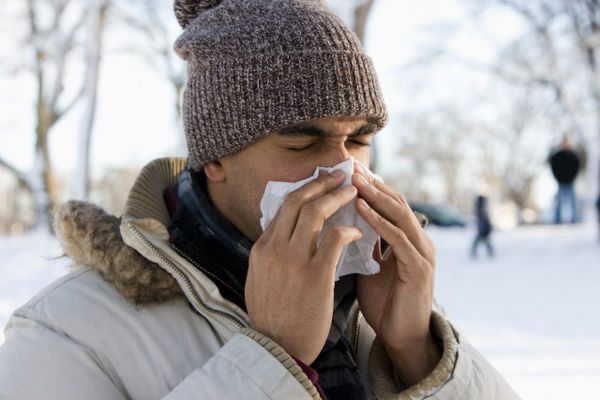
(255, 66)
(385, 386)
(284, 358)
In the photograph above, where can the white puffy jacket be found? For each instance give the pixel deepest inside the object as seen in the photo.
(119, 327)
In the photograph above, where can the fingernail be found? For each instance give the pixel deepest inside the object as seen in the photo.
(337, 173)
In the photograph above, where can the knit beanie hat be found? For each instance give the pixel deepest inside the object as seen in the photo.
(255, 66)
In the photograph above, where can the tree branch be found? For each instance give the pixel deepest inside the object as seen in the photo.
(21, 178)
(361, 15)
(59, 113)
(61, 55)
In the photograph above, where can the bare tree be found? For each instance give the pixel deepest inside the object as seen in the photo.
(97, 11)
(53, 39)
(543, 84)
(556, 59)
(508, 161)
(22, 179)
(431, 151)
(154, 22)
(62, 35)
(355, 13)
(16, 211)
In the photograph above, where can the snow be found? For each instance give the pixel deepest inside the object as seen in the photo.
(531, 310)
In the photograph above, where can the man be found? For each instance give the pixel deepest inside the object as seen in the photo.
(565, 167)
(190, 298)
(484, 227)
(598, 213)
(598, 206)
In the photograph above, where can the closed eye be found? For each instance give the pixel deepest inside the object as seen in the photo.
(298, 149)
(355, 143)
(359, 143)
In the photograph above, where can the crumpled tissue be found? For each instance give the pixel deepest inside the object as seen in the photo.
(357, 257)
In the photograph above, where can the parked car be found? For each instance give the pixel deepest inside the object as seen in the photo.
(440, 214)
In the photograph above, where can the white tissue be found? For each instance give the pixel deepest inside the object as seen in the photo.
(357, 257)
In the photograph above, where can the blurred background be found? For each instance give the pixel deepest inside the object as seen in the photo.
(494, 134)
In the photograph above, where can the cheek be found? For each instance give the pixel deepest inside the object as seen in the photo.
(364, 156)
(287, 170)
(296, 172)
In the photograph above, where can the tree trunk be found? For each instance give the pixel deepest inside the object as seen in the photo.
(51, 38)
(361, 14)
(43, 182)
(96, 18)
(42, 179)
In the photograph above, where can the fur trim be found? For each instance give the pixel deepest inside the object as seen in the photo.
(91, 237)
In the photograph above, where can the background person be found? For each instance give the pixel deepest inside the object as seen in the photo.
(565, 167)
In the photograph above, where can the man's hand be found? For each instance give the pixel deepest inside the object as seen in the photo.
(397, 301)
(289, 289)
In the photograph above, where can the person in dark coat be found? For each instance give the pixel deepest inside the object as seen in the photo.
(484, 227)
(565, 167)
(598, 206)
(598, 212)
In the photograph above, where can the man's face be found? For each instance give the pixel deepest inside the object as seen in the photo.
(289, 155)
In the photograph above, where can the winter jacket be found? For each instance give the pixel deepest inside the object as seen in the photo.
(484, 224)
(565, 166)
(137, 321)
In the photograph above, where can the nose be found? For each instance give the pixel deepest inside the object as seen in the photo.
(335, 155)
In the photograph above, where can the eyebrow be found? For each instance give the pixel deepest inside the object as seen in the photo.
(307, 129)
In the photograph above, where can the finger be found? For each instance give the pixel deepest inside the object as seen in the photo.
(400, 199)
(382, 194)
(392, 207)
(356, 167)
(400, 244)
(359, 169)
(330, 250)
(294, 201)
(314, 214)
(267, 233)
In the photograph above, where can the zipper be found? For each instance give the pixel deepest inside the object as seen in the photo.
(193, 296)
(186, 280)
(205, 271)
(356, 332)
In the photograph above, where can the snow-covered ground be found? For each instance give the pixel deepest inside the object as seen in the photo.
(532, 310)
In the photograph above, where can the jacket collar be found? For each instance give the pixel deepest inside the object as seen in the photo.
(134, 254)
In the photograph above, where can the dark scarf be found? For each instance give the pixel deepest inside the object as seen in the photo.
(201, 234)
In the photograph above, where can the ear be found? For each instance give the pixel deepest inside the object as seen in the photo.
(214, 170)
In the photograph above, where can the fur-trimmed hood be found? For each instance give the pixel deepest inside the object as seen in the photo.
(92, 237)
